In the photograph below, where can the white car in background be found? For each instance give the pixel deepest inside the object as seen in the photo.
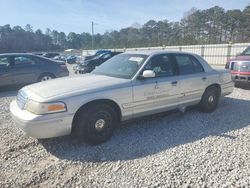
(130, 85)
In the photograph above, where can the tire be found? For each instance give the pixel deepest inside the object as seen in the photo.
(209, 100)
(95, 124)
(45, 77)
(236, 84)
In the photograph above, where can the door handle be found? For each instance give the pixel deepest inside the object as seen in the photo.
(204, 78)
(174, 83)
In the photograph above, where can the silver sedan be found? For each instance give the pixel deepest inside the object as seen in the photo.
(127, 86)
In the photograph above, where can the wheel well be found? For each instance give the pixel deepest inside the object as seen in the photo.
(217, 86)
(46, 73)
(105, 101)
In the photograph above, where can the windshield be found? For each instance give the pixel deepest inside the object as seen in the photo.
(121, 66)
(242, 66)
(246, 51)
(100, 55)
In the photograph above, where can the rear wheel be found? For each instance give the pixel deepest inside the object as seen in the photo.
(45, 77)
(209, 99)
(95, 124)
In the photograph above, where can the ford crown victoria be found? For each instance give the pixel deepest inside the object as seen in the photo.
(127, 86)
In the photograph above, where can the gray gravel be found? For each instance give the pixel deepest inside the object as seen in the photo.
(168, 150)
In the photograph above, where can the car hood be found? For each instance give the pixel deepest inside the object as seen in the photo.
(241, 58)
(75, 85)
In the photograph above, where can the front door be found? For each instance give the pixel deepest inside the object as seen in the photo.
(151, 95)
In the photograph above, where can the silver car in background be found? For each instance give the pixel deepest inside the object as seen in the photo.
(127, 86)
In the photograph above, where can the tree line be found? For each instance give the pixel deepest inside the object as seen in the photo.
(209, 26)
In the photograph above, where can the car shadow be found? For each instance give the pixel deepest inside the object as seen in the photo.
(154, 134)
(244, 86)
(9, 91)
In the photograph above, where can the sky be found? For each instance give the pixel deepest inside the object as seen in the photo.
(108, 15)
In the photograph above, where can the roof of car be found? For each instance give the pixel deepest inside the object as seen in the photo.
(15, 54)
(154, 52)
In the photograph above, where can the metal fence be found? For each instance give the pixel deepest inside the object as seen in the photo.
(214, 54)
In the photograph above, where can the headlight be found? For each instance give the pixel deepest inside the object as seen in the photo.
(45, 108)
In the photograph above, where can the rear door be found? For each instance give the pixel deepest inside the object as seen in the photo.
(192, 78)
(5, 74)
(24, 70)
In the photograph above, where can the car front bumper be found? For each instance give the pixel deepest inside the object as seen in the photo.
(41, 126)
(241, 78)
(63, 74)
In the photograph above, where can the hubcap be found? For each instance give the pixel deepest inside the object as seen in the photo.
(45, 78)
(210, 99)
(99, 125)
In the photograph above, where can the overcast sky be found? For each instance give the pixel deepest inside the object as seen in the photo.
(76, 15)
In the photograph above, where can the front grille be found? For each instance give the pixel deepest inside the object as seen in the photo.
(21, 99)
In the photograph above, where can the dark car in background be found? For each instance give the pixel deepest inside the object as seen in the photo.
(71, 59)
(89, 65)
(98, 52)
(240, 67)
(50, 54)
(22, 68)
(60, 58)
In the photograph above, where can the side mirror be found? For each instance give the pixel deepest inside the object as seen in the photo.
(148, 74)
(238, 54)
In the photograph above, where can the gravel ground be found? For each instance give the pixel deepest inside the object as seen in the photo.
(174, 149)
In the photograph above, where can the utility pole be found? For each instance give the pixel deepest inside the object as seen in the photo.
(92, 23)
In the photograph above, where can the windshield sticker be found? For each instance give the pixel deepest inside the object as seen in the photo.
(137, 59)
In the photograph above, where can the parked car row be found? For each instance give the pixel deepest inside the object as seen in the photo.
(70, 59)
(25, 68)
(89, 65)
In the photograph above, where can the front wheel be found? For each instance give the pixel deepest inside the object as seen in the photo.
(209, 100)
(95, 124)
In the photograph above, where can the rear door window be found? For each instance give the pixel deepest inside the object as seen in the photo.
(197, 66)
(23, 61)
(185, 64)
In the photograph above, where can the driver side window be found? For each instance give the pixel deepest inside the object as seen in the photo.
(162, 65)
